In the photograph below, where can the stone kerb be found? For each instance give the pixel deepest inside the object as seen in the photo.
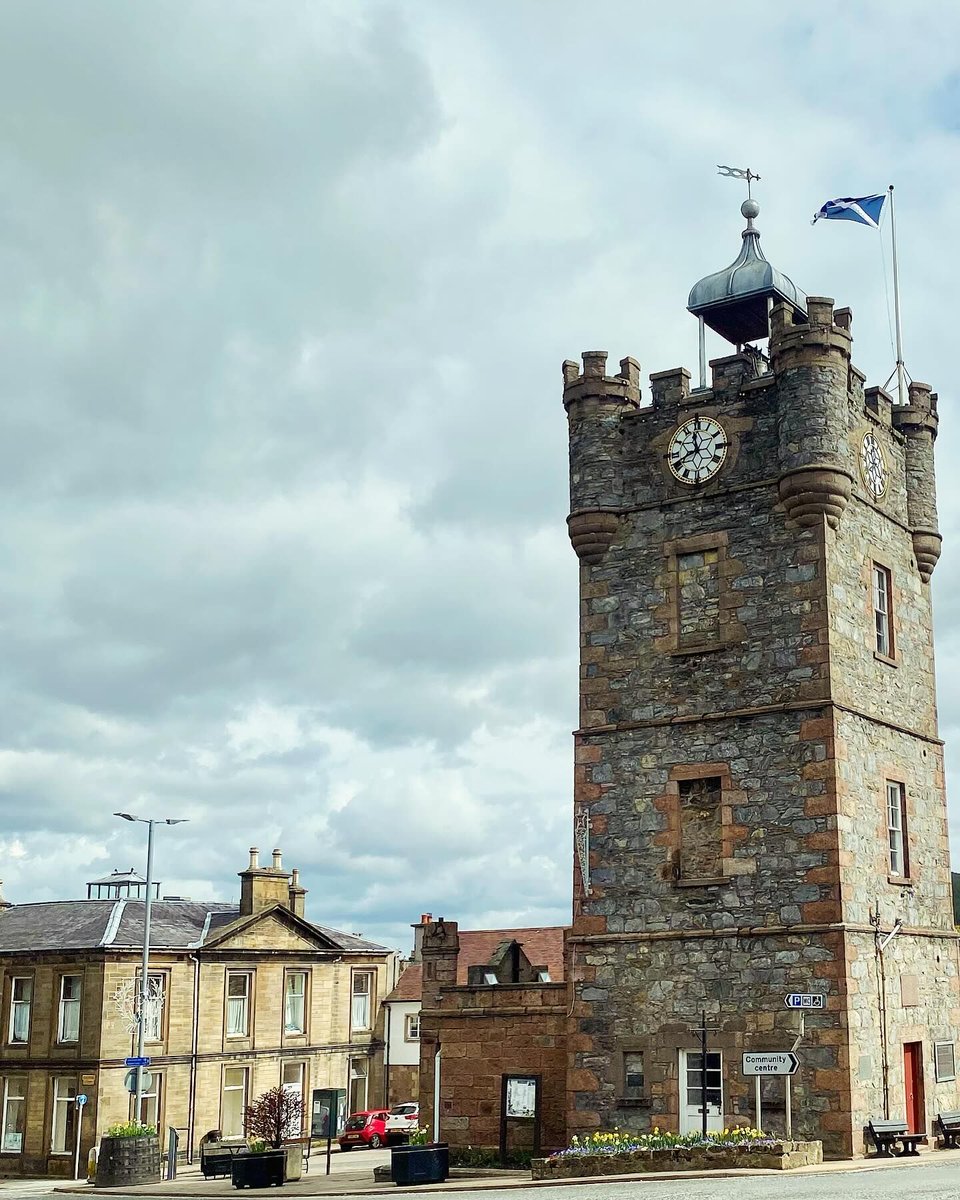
(780, 1156)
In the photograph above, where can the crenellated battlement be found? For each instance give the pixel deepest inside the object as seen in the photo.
(594, 384)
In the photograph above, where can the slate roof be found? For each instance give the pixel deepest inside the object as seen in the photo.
(409, 985)
(118, 925)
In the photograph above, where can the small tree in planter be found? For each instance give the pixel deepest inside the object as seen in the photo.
(275, 1115)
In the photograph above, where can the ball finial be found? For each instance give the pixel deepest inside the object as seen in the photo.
(750, 209)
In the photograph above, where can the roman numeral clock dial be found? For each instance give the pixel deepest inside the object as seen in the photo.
(697, 450)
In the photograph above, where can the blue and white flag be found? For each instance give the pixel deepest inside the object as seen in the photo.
(865, 210)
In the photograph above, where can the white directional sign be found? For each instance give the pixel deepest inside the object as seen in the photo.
(802, 1000)
(770, 1062)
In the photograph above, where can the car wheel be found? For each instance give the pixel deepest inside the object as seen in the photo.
(375, 1142)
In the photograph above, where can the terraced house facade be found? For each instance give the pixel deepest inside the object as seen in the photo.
(243, 997)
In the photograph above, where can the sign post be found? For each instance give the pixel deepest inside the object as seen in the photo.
(80, 1101)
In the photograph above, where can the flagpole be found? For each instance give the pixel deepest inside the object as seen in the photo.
(896, 301)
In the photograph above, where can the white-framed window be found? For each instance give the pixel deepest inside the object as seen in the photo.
(21, 997)
(361, 1008)
(944, 1061)
(153, 1012)
(294, 1002)
(411, 1027)
(68, 1025)
(64, 1114)
(358, 1085)
(291, 1080)
(238, 1003)
(882, 616)
(234, 1101)
(150, 1101)
(14, 1114)
(898, 858)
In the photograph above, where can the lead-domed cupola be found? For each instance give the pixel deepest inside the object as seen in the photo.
(735, 302)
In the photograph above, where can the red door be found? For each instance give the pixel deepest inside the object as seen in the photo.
(913, 1087)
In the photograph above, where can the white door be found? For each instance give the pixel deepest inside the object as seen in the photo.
(691, 1091)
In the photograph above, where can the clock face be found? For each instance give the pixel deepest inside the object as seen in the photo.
(873, 468)
(697, 450)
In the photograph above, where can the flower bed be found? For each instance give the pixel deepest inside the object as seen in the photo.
(623, 1153)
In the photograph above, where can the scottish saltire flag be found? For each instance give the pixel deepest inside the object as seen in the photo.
(865, 210)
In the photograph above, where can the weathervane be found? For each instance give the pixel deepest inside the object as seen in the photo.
(739, 173)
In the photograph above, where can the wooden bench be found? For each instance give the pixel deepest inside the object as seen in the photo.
(947, 1128)
(887, 1135)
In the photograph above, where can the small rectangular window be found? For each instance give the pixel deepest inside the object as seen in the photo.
(14, 1114)
(882, 619)
(361, 1008)
(150, 1101)
(68, 1026)
(411, 1027)
(633, 1074)
(898, 859)
(238, 1004)
(700, 829)
(153, 1008)
(294, 1006)
(944, 1060)
(21, 996)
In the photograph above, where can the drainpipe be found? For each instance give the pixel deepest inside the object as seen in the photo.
(194, 1042)
(388, 1011)
(436, 1095)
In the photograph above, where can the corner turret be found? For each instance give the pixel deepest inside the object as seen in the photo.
(595, 404)
(918, 421)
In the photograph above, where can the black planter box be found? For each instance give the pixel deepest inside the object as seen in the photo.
(420, 1164)
(258, 1170)
(123, 1161)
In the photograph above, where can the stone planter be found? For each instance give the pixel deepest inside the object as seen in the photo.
(128, 1160)
(420, 1164)
(259, 1170)
(780, 1156)
(292, 1162)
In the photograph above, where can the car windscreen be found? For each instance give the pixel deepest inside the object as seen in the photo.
(356, 1122)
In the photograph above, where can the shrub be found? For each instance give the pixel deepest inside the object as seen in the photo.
(488, 1156)
(130, 1129)
(275, 1115)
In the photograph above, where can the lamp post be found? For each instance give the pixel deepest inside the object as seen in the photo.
(144, 969)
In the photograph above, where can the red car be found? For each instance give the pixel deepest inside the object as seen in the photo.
(364, 1129)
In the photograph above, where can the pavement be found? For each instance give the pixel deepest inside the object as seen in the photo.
(352, 1175)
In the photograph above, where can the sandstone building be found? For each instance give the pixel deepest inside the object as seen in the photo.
(245, 997)
(759, 793)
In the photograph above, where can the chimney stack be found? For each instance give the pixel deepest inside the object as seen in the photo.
(261, 887)
(425, 919)
(296, 894)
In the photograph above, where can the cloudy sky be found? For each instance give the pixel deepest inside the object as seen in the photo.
(284, 292)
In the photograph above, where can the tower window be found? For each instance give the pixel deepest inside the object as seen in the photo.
(899, 861)
(700, 829)
(698, 592)
(882, 611)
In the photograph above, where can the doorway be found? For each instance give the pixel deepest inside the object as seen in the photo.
(691, 1091)
(916, 1109)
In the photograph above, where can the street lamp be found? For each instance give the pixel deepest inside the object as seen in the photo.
(144, 975)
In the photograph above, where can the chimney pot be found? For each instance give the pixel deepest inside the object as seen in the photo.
(296, 877)
(277, 864)
(426, 918)
(254, 858)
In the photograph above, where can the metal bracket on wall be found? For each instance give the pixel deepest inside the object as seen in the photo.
(581, 837)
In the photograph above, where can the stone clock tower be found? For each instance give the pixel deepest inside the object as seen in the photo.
(759, 791)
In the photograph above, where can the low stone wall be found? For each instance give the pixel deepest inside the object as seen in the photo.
(781, 1156)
